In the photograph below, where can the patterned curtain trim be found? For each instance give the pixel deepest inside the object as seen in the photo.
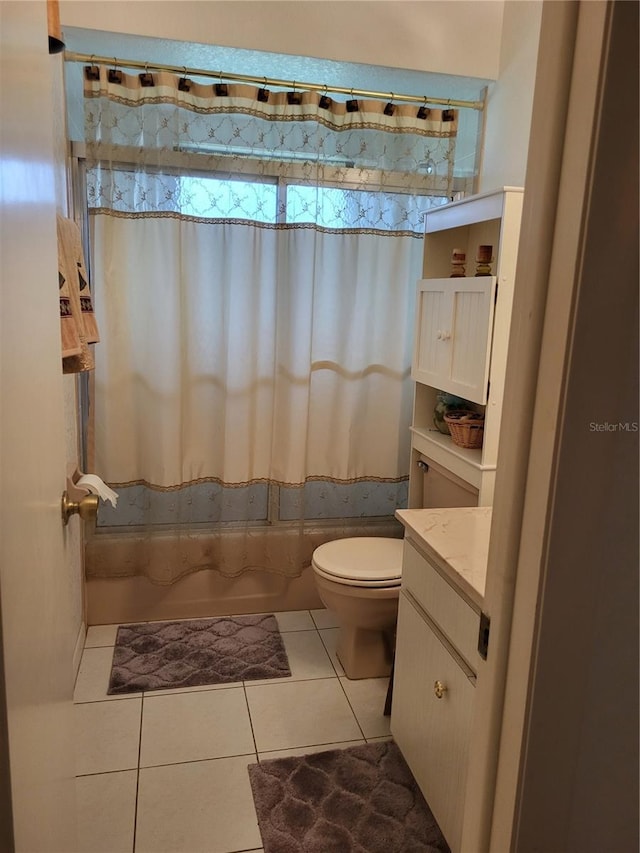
(258, 481)
(206, 503)
(284, 226)
(242, 99)
(165, 161)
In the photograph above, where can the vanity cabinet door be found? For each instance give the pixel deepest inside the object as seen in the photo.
(432, 733)
(452, 346)
(442, 603)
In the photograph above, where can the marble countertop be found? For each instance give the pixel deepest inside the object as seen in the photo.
(457, 540)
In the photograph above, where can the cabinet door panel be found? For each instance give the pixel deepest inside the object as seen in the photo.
(454, 324)
(447, 608)
(433, 734)
(469, 356)
(432, 357)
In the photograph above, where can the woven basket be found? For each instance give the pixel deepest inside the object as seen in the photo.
(466, 428)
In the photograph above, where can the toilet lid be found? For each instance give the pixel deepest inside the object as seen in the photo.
(362, 560)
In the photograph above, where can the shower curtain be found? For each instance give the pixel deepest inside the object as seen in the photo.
(254, 256)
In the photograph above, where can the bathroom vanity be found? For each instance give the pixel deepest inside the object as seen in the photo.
(437, 657)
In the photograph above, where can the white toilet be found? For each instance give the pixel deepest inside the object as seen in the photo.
(359, 580)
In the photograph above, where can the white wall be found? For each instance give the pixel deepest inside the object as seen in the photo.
(510, 99)
(461, 37)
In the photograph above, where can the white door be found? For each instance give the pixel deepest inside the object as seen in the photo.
(35, 594)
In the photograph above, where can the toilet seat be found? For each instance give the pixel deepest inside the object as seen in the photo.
(364, 561)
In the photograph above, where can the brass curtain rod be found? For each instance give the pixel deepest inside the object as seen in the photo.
(267, 81)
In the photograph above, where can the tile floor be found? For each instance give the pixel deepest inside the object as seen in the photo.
(166, 771)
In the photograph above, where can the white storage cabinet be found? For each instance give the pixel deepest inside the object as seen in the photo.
(461, 337)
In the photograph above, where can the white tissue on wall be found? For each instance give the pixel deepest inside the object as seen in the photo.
(97, 487)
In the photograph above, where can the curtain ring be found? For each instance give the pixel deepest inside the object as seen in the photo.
(263, 94)
(352, 104)
(220, 87)
(146, 79)
(324, 102)
(92, 71)
(294, 97)
(423, 111)
(390, 108)
(448, 114)
(114, 75)
(184, 85)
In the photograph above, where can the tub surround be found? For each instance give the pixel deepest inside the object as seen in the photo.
(456, 541)
(198, 595)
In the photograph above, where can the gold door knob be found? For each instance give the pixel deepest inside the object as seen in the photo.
(439, 689)
(86, 507)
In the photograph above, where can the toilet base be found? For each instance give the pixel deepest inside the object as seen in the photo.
(364, 653)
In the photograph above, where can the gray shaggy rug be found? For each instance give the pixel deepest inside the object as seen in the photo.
(194, 652)
(362, 799)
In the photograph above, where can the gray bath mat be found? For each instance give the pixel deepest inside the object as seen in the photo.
(193, 652)
(357, 800)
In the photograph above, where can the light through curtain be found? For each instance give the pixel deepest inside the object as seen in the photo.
(254, 256)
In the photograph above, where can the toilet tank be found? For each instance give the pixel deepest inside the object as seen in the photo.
(441, 488)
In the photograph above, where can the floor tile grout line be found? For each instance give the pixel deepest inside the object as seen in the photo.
(122, 697)
(355, 716)
(277, 683)
(329, 653)
(265, 752)
(248, 850)
(253, 734)
(253, 755)
(256, 757)
(235, 685)
(107, 772)
(135, 813)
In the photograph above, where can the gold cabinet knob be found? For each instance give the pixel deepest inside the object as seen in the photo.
(86, 507)
(439, 689)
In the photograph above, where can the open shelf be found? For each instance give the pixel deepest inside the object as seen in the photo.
(461, 461)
